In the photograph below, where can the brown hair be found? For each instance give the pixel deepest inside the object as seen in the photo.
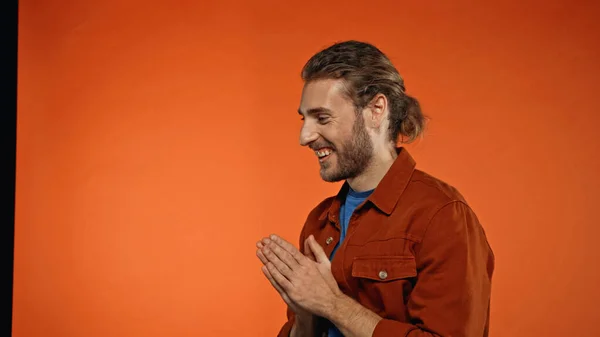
(367, 72)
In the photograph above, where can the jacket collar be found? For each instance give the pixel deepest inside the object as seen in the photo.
(388, 191)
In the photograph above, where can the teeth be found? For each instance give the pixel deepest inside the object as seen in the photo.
(323, 153)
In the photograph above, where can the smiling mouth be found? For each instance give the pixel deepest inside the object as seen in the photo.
(323, 154)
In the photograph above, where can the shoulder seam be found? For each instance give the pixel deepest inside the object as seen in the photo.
(437, 211)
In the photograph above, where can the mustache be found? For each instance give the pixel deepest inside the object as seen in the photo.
(315, 146)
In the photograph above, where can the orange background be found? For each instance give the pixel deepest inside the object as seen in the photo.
(158, 140)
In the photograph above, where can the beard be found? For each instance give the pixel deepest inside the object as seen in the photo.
(352, 158)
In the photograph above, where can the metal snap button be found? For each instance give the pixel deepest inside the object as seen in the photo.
(329, 240)
(383, 274)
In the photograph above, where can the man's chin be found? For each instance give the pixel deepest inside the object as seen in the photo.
(330, 177)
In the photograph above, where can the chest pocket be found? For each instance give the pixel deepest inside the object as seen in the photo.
(384, 268)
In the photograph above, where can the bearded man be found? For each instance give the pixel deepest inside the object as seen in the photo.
(397, 252)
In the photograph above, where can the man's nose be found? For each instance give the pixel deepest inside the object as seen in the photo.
(307, 135)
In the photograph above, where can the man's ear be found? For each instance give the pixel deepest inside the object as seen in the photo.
(377, 110)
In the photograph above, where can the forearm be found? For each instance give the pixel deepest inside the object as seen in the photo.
(354, 320)
(303, 327)
(351, 318)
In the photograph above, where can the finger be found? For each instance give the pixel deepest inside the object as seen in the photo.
(317, 249)
(261, 256)
(308, 252)
(288, 247)
(283, 255)
(278, 277)
(273, 259)
(259, 245)
(275, 285)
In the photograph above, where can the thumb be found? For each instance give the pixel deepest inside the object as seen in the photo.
(317, 250)
(308, 251)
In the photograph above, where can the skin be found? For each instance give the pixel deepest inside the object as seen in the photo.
(360, 153)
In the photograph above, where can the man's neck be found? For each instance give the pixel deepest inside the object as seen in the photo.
(377, 169)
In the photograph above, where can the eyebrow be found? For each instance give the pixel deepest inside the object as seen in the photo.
(314, 111)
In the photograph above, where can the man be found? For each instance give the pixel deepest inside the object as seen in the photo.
(396, 252)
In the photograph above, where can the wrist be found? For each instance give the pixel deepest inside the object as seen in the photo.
(337, 307)
(304, 320)
(303, 326)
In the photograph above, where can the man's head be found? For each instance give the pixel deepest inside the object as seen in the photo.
(354, 109)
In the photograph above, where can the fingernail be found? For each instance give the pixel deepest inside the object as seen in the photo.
(273, 237)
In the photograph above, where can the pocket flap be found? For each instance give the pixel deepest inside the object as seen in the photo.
(384, 268)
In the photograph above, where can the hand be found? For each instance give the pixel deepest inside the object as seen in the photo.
(300, 313)
(304, 282)
(312, 249)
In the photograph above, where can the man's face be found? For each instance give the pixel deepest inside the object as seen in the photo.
(334, 131)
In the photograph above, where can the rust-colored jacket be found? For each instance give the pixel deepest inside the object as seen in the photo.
(415, 254)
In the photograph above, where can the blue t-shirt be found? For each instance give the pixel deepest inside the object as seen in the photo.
(353, 199)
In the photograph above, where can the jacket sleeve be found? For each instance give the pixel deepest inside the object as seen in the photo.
(287, 326)
(451, 296)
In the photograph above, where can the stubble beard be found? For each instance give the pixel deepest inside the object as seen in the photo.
(352, 158)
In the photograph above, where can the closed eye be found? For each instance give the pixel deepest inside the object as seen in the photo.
(323, 115)
(323, 119)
